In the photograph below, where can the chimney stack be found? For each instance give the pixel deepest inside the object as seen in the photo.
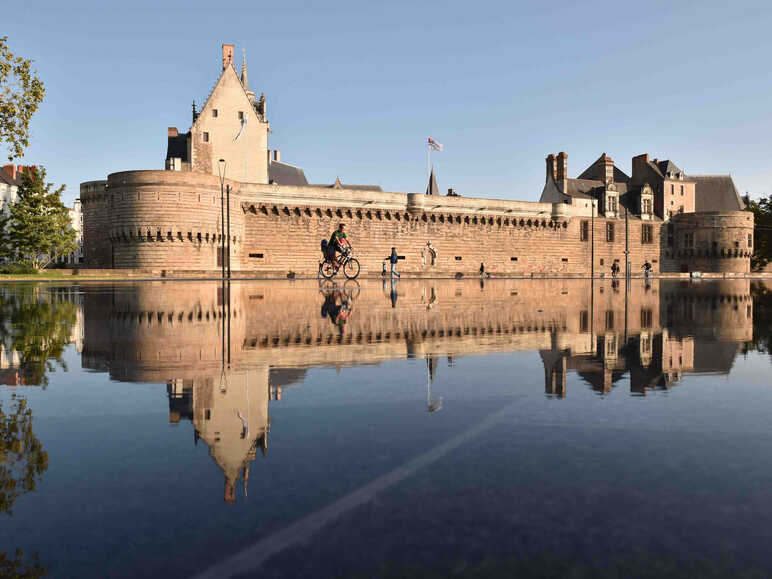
(639, 168)
(172, 132)
(552, 168)
(607, 169)
(277, 156)
(227, 55)
(562, 169)
(10, 170)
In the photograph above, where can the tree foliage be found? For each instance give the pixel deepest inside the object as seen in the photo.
(762, 319)
(40, 327)
(38, 228)
(22, 458)
(22, 464)
(762, 231)
(21, 92)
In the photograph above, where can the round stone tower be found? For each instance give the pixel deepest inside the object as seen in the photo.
(717, 242)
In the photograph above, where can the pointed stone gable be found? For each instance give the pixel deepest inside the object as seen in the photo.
(213, 133)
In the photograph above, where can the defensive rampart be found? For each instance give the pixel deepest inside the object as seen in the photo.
(171, 220)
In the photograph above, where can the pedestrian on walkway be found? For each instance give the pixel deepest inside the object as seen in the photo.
(393, 258)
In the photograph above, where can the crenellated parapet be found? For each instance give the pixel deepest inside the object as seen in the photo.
(173, 220)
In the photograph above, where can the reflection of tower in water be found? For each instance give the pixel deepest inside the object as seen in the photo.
(433, 404)
(230, 416)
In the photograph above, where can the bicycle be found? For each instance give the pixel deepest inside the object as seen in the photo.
(328, 268)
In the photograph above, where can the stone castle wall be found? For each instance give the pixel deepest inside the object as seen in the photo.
(170, 220)
(96, 219)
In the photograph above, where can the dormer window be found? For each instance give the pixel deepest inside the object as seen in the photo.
(241, 115)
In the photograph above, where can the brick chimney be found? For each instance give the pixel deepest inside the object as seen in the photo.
(639, 168)
(10, 170)
(607, 168)
(227, 55)
(551, 168)
(172, 132)
(562, 169)
(277, 156)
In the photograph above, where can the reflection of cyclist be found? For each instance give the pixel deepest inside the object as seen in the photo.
(337, 307)
(337, 242)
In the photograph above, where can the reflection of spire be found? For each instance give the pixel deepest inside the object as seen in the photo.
(432, 404)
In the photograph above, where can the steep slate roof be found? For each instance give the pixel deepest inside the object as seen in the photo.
(584, 187)
(339, 185)
(593, 172)
(431, 188)
(284, 174)
(178, 147)
(668, 166)
(716, 193)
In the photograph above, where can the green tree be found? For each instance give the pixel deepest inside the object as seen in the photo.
(21, 92)
(37, 229)
(22, 458)
(762, 230)
(40, 327)
(22, 464)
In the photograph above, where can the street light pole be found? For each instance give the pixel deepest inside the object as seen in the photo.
(221, 165)
(228, 227)
(592, 239)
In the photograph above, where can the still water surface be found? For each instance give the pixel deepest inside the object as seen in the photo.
(474, 429)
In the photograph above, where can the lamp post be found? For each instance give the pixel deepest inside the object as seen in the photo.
(221, 165)
(228, 226)
(592, 240)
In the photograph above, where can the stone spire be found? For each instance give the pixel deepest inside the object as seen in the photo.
(244, 81)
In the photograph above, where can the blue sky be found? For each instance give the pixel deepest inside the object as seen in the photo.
(354, 88)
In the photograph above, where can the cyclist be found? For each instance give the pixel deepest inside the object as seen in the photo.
(337, 242)
(647, 269)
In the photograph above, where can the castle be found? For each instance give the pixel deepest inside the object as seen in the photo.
(172, 220)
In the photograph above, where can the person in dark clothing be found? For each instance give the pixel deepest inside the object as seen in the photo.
(393, 258)
(482, 269)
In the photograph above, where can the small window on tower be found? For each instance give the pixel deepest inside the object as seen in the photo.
(214, 113)
(241, 115)
(206, 137)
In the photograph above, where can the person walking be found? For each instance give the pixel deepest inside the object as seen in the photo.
(393, 258)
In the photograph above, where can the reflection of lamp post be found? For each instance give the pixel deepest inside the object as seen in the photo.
(221, 171)
(228, 227)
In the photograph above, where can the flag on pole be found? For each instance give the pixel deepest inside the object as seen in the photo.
(434, 145)
(243, 127)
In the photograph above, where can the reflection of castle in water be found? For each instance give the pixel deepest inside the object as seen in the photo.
(182, 334)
